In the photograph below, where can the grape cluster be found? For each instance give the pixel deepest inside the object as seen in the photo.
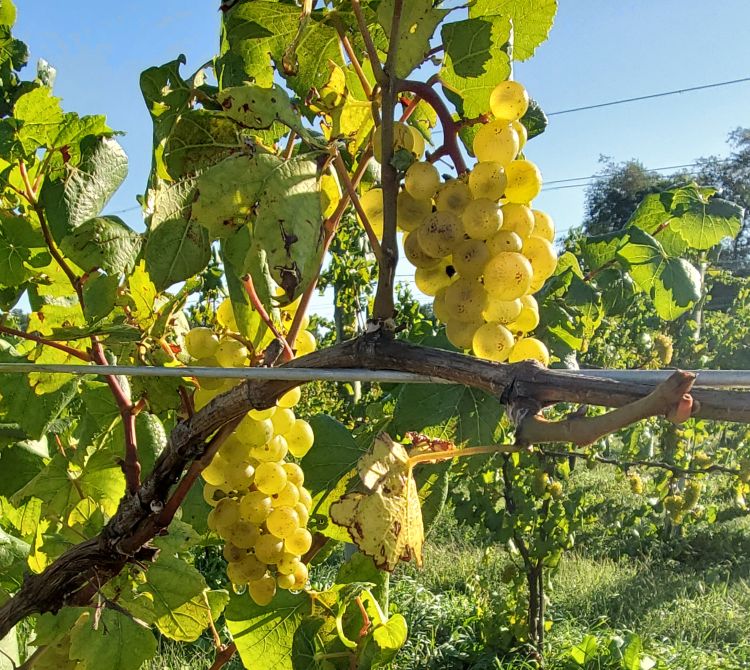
(477, 245)
(260, 506)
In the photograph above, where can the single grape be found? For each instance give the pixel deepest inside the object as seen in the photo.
(482, 218)
(439, 234)
(492, 341)
(507, 276)
(261, 414)
(201, 342)
(303, 513)
(287, 563)
(294, 474)
(231, 354)
(282, 420)
(235, 451)
(254, 433)
(504, 240)
(298, 542)
(496, 141)
(419, 145)
(411, 212)
(529, 348)
(402, 139)
(300, 576)
(215, 472)
(300, 438)
(503, 311)
(465, 300)
(282, 522)
(270, 478)
(519, 219)
(487, 180)
(509, 100)
(203, 396)
(209, 383)
(453, 196)
(415, 254)
(235, 574)
(541, 255)
(274, 450)
(431, 280)
(372, 204)
(290, 398)
(305, 343)
(461, 333)
(243, 534)
(528, 318)
(251, 567)
(262, 590)
(269, 548)
(422, 180)
(225, 315)
(438, 306)
(232, 553)
(222, 517)
(240, 476)
(524, 181)
(305, 498)
(285, 582)
(288, 496)
(544, 226)
(213, 494)
(255, 506)
(523, 134)
(470, 257)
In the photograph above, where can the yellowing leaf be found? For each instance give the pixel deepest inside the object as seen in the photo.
(143, 292)
(385, 523)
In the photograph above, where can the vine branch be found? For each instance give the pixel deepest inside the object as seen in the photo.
(76, 353)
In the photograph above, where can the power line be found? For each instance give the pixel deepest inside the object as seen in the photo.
(663, 94)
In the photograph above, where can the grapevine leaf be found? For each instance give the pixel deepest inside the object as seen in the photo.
(475, 61)
(151, 439)
(534, 119)
(419, 19)
(116, 643)
(598, 250)
(676, 289)
(105, 242)
(13, 554)
(7, 13)
(17, 240)
(532, 21)
(385, 642)
(264, 635)
(143, 294)
(34, 413)
(19, 464)
(37, 116)
(99, 295)
(386, 522)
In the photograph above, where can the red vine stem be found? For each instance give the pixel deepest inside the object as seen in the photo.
(224, 656)
(372, 52)
(354, 61)
(247, 282)
(80, 355)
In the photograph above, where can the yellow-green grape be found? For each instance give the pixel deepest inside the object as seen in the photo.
(215, 472)
(272, 451)
(691, 495)
(269, 548)
(636, 483)
(541, 255)
(492, 341)
(372, 205)
(411, 212)
(282, 420)
(519, 219)
(482, 218)
(294, 474)
(209, 383)
(524, 181)
(461, 333)
(504, 240)
(243, 534)
(509, 100)
(419, 145)
(470, 257)
(529, 348)
(300, 576)
(453, 196)
(305, 343)
(288, 496)
(225, 315)
(415, 254)
(213, 494)
(556, 490)
(402, 139)
(254, 433)
(230, 353)
(439, 234)
(507, 276)
(465, 300)
(503, 311)
(261, 414)
(256, 506)
(235, 450)
(235, 574)
(203, 396)
(201, 342)
(523, 133)
(422, 180)
(282, 522)
(303, 513)
(438, 306)
(222, 517)
(270, 478)
(290, 398)
(250, 567)
(285, 582)
(305, 498)
(298, 542)
(300, 438)
(232, 553)
(528, 319)
(262, 590)
(487, 180)
(496, 141)
(431, 280)
(240, 476)
(544, 226)
(287, 563)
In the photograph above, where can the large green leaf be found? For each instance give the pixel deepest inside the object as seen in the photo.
(37, 115)
(105, 242)
(18, 239)
(601, 249)
(475, 61)
(13, 554)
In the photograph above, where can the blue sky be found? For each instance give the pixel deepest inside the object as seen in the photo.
(599, 50)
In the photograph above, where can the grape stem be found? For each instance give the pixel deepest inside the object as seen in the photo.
(223, 656)
(80, 355)
(247, 282)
